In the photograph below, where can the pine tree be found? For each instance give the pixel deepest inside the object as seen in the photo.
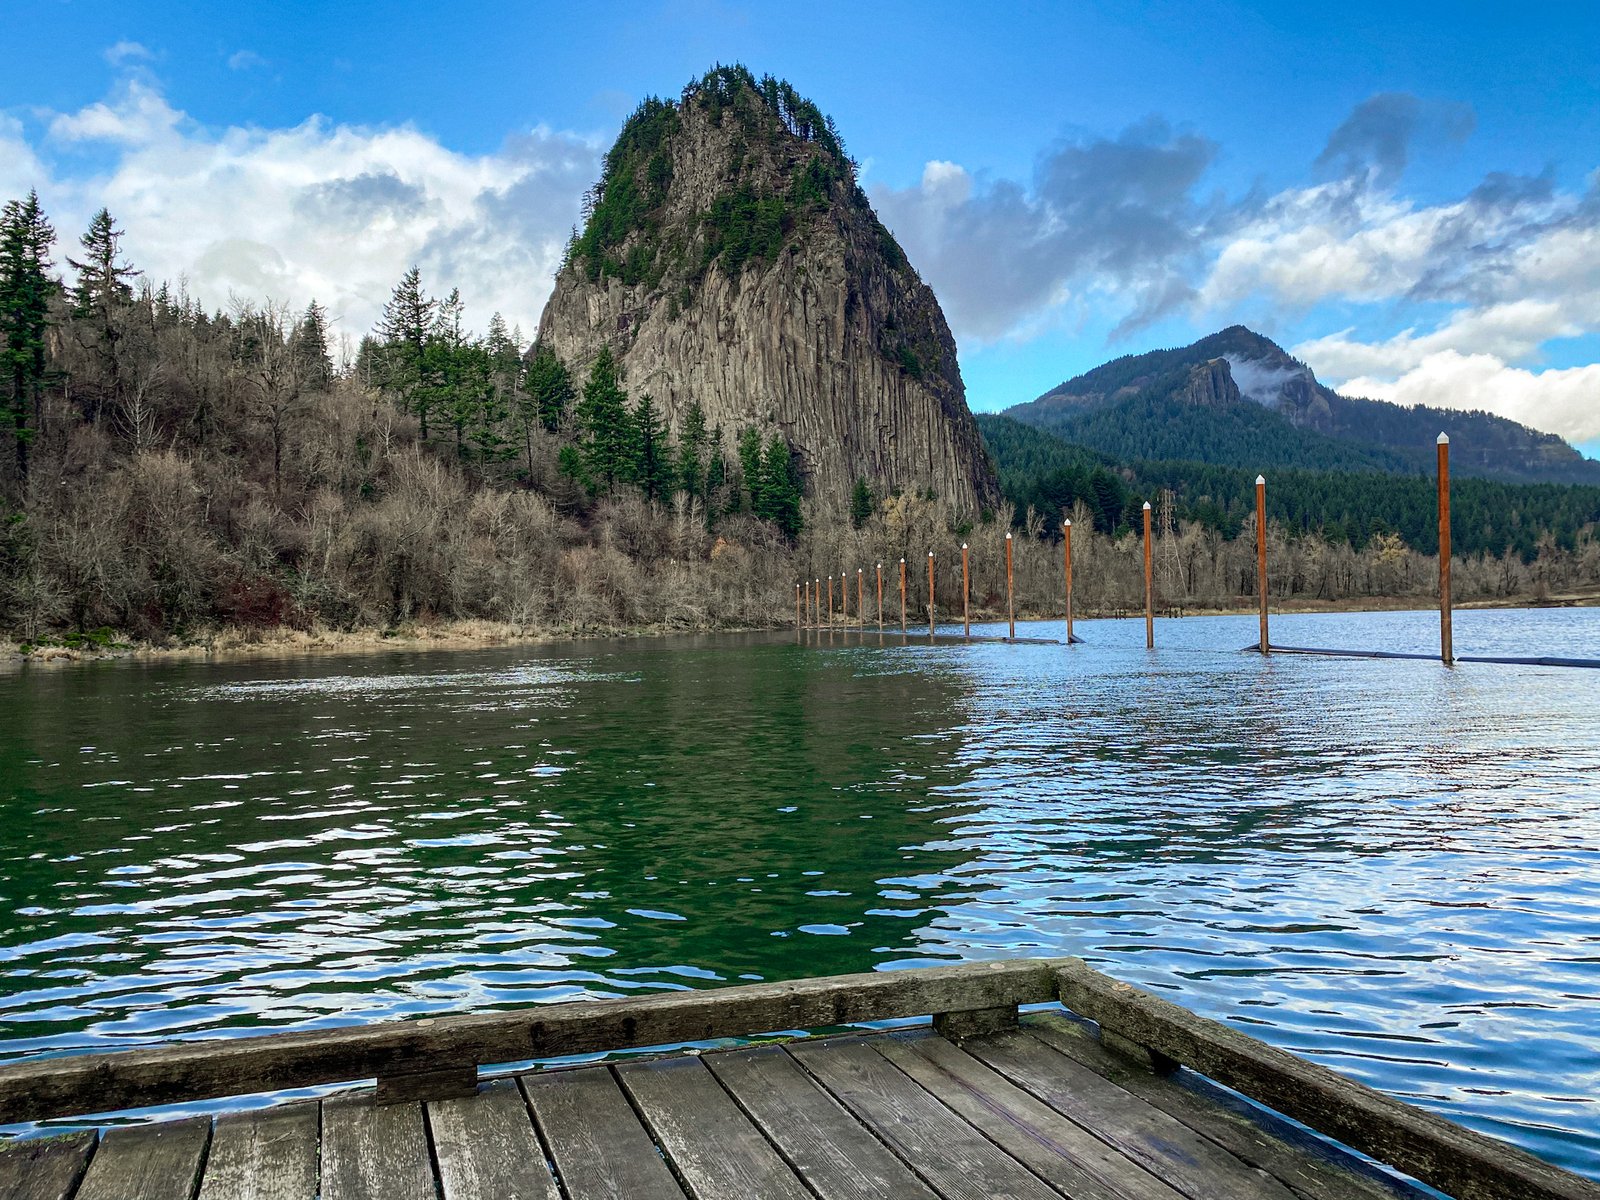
(861, 503)
(550, 387)
(750, 469)
(608, 444)
(26, 288)
(716, 478)
(310, 344)
(780, 487)
(103, 292)
(407, 321)
(690, 472)
(448, 375)
(653, 465)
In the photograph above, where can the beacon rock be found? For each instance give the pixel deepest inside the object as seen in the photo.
(730, 258)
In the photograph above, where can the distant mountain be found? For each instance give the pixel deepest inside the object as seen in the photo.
(1238, 399)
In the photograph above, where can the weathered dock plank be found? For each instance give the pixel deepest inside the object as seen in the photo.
(486, 1148)
(601, 1151)
(1058, 1150)
(711, 1145)
(265, 1154)
(147, 1162)
(373, 1151)
(955, 1159)
(44, 1168)
(1162, 1144)
(830, 1149)
(1309, 1169)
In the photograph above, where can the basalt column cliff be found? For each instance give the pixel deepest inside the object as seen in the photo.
(729, 257)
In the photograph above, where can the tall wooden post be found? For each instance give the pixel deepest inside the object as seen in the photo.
(844, 596)
(799, 617)
(902, 595)
(1265, 645)
(1149, 586)
(1011, 604)
(1066, 562)
(830, 602)
(1447, 650)
(966, 596)
(861, 599)
(930, 593)
(880, 597)
(807, 607)
(816, 601)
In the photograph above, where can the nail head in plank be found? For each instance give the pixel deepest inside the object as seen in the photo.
(147, 1162)
(830, 1149)
(1062, 1152)
(486, 1147)
(266, 1154)
(711, 1145)
(44, 1168)
(1162, 1144)
(956, 1160)
(373, 1151)
(601, 1151)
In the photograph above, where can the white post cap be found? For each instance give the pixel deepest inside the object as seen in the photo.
(1147, 506)
(1260, 479)
(963, 545)
(1067, 524)
(1444, 439)
(858, 570)
(902, 560)
(1008, 535)
(930, 553)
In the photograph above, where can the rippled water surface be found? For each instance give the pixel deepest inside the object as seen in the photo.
(1387, 866)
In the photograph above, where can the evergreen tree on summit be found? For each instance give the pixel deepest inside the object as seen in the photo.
(26, 288)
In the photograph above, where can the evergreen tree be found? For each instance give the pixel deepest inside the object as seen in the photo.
(653, 464)
(103, 292)
(780, 487)
(750, 470)
(608, 444)
(26, 287)
(691, 467)
(449, 375)
(550, 387)
(310, 343)
(861, 503)
(716, 477)
(408, 318)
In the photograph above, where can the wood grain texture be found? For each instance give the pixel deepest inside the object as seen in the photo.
(41, 1089)
(712, 1146)
(955, 1159)
(1455, 1160)
(44, 1168)
(374, 1151)
(1058, 1150)
(268, 1154)
(601, 1151)
(830, 1149)
(147, 1162)
(1161, 1144)
(1310, 1167)
(486, 1147)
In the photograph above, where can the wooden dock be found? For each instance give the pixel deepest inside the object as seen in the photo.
(980, 1105)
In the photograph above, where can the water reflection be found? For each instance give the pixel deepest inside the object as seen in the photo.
(1387, 866)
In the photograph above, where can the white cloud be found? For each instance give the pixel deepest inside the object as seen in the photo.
(1566, 402)
(243, 60)
(335, 212)
(126, 52)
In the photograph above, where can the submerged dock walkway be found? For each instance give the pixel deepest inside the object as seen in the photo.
(978, 1107)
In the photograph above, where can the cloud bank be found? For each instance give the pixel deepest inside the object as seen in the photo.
(324, 211)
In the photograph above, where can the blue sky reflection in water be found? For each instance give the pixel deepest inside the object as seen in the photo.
(1383, 865)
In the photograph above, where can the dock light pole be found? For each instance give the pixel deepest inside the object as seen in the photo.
(1011, 605)
(1447, 652)
(966, 596)
(930, 593)
(1149, 587)
(861, 599)
(880, 597)
(902, 595)
(1066, 563)
(1265, 645)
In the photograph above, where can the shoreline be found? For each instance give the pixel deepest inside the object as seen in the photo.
(235, 644)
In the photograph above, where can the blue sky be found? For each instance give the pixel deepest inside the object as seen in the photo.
(1405, 195)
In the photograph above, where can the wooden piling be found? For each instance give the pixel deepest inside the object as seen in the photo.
(1066, 559)
(902, 595)
(930, 593)
(830, 601)
(1447, 651)
(861, 600)
(1265, 645)
(799, 616)
(1149, 586)
(1011, 605)
(966, 595)
(816, 602)
(880, 597)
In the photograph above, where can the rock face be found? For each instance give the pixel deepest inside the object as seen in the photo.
(1211, 383)
(730, 259)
